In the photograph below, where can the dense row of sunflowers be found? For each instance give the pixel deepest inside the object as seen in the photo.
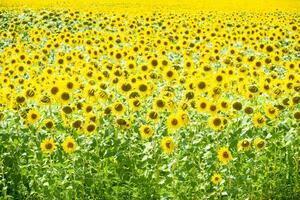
(224, 86)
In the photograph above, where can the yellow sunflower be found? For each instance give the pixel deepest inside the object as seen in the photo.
(271, 111)
(259, 143)
(174, 122)
(244, 145)
(258, 120)
(118, 108)
(167, 145)
(224, 155)
(152, 115)
(49, 124)
(33, 116)
(48, 146)
(146, 131)
(216, 179)
(69, 145)
(216, 123)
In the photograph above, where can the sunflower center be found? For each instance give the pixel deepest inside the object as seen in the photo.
(126, 87)
(203, 105)
(70, 145)
(89, 109)
(67, 109)
(253, 89)
(160, 103)
(224, 104)
(225, 154)
(154, 63)
(48, 146)
(146, 130)
(190, 95)
(91, 128)
(219, 78)
(30, 93)
(168, 144)
(260, 120)
(119, 107)
(248, 110)
(54, 90)
(237, 106)
(121, 122)
(143, 88)
(170, 74)
(65, 96)
(33, 116)
(201, 85)
(136, 103)
(297, 115)
(261, 144)
(153, 115)
(70, 85)
(49, 124)
(217, 122)
(245, 143)
(271, 110)
(213, 108)
(91, 92)
(20, 99)
(144, 68)
(174, 122)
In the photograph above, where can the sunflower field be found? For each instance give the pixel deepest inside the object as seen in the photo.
(126, 100)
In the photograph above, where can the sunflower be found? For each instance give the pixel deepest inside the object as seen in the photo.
(124, 86)
(159, 104)
(143, 88)
(248, 110)
(183, 105)
(184, 117)
(216, 179)
(54, 90)
(146, 131)
(244, 145)
(49, 124)
(152, 115)
(201, 85)
(118, 108)
(33, 116)
(297, 115)
(167, 145)
(90, 128)
(174, 122)
(87, 108)
(123, 123)
(202, 105)
(69, 145)
(271, 111)
(237, 106)
(258, 120)
(64, 97)
(20, 99)
(135, 104)
(224, 105)
(216, 123)
(67, 110)
(224, 155)
(48, 146)
(77, 124)
(259, 143)
(170, 74)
